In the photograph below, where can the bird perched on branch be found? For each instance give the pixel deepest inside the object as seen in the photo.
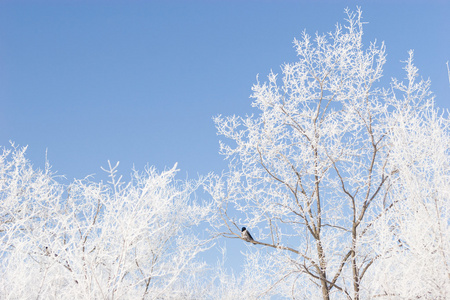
(246, 235)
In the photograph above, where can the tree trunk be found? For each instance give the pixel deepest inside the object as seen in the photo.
(354, 266)
(323, 272)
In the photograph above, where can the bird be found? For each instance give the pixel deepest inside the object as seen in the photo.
(246, 235)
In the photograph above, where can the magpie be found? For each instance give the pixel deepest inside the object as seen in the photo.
(246, 235)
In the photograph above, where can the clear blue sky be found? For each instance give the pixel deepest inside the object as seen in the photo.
(138, 81)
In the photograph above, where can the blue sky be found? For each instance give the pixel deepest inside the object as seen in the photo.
(138, 81)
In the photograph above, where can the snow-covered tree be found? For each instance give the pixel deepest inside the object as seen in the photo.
(343, 185)
(414, 234)
(324, 173)
(97, 241)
